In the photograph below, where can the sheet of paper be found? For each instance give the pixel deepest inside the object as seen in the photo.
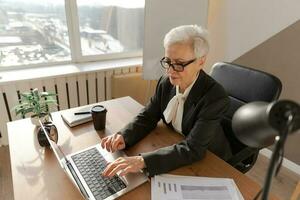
(172, 187)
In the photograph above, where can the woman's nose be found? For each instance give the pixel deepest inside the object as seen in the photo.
(170, 70)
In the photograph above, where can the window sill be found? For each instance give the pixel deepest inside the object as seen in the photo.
(66, 69)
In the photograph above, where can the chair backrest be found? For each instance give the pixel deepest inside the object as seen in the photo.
(243, 85)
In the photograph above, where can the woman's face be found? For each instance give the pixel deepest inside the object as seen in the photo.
(181, 53)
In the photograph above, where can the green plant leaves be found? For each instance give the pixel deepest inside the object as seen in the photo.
(35, 102)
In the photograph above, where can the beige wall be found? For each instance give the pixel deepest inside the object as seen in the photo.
(262, 35)
(238, 26)
(280, 55)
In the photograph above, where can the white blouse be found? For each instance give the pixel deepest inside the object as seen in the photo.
(174, 109)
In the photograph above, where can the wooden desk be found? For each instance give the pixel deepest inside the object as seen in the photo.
(37, 175)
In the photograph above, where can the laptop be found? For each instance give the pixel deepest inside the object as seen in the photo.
(84, 168)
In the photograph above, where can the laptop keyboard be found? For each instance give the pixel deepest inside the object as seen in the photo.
(91, 164)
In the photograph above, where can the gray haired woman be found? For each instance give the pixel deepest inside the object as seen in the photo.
(187, 100)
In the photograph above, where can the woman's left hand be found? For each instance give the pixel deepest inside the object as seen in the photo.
(126, 165)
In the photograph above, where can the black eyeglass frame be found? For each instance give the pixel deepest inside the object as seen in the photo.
(163, 60)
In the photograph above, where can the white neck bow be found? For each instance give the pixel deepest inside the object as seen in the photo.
(174, 109)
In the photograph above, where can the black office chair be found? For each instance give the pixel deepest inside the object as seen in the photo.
(243, 85)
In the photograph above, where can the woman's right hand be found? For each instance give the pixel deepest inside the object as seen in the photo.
(113, 143)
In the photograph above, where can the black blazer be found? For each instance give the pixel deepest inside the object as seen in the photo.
(203, 109)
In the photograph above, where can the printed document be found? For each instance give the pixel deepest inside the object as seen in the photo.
(173, 187)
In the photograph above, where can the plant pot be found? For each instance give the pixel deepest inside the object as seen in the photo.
(42, 139)
(35, 120)
(52, 134)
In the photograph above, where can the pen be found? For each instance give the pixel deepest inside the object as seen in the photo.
(82, 113)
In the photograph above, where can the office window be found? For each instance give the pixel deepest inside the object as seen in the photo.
(33, 31)
(39, 32)
(110, 26)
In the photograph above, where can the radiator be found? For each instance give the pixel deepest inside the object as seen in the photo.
(72, 91)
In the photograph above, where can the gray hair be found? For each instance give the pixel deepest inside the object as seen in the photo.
(196, 35)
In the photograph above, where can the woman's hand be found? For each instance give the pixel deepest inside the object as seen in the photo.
(125, 165)
(113, 143)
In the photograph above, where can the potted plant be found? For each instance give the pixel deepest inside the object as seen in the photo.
(36, 104)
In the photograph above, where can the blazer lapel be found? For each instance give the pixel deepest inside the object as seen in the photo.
(166, 99)
(197, 92)
(172, 93)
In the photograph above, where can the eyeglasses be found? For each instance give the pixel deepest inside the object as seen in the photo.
(178, 67)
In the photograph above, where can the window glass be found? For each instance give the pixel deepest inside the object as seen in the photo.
(110, 26)
(33, 31)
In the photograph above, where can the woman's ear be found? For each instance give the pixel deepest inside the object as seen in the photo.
(201, 61)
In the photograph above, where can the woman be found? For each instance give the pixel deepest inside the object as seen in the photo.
(187, 100)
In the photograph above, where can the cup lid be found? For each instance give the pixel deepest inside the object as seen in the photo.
(98, 108)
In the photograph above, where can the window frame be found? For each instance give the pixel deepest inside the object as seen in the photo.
(76, 55)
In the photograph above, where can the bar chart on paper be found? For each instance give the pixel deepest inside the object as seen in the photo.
(171, 187)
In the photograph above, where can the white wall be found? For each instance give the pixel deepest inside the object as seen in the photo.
(238, 26)
(160, 17)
